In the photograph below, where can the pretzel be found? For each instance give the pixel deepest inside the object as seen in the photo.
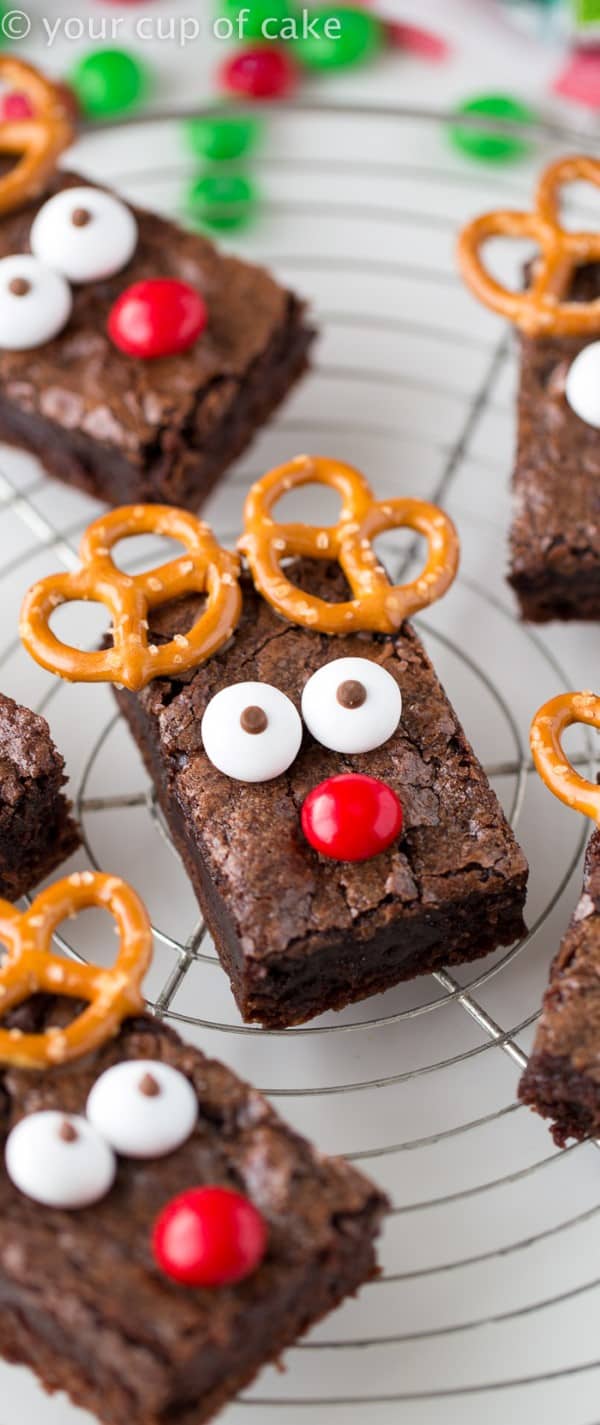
(132, 661)
(376, 604)
(38, 140)
(547, 729)
(540, 310)
(29, 969)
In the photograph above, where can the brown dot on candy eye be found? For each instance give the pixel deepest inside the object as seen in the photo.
(351, 693)
(149, 1086)
(67, 1132)
(19, 286)
(80, 217)
(253, 720)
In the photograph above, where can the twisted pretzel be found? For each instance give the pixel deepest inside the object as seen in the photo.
(39, 140)
(547, 729)
(377, 605)
(541, 310)
(132, 661)
(29, 968)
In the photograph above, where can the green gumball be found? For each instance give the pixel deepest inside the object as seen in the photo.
(221, 137)
(256, 19)
(339, 37)
(221, 200)
(108, 82)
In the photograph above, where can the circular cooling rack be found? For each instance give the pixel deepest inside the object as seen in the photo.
(487, 1304)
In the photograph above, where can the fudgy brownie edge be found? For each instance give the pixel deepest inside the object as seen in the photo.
(562, 1078)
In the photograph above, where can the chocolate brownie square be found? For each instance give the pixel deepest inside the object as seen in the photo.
(562, 1078)
(555, 533)
(37, 830)
(131, 430)
(297, 933)
(82, 1300)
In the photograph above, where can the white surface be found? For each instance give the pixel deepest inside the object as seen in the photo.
(487, 1308)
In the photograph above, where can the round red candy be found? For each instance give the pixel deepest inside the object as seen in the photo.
(351, 817)
(15, 105)
(209, 1236)
(159, 317)
(262, 72)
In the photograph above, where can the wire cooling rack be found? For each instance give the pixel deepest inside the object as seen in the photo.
(487, 1305)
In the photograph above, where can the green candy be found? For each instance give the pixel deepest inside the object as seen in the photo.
(220, 137)
(355, 38)
(260, 13)
(221, 200)
(483, 144)
(108, 81)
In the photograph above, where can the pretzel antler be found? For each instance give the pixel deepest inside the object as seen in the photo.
(556, 771)
(38, 140)
(29, 968)
(542, 309)
(132, 661)
(377, 605)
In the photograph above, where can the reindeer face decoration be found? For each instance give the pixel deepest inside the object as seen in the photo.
(80, 235)
(140, 1109)
(251, 731)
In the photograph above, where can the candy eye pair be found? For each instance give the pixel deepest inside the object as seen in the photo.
(140, 1109)
(253, 732)
(80, 235)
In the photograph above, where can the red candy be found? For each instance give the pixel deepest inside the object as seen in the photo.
(263, 72)
(351, 817)
(159, 317)
(209, 1236)
(15, 105)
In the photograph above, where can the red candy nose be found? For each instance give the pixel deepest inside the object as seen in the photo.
(209, 1236)
(158, 317)
(351, 817)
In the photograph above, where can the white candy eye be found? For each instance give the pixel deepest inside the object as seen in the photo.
(35, 303)
(59, 1160)
(351, 705)
(143, 1108)
(251, 731)
(84, 233)
(582, 388)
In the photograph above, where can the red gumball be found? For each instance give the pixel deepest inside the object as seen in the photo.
(263, 72)
(15, 105)
(351, 817)
(209, 1236)
(159, 317)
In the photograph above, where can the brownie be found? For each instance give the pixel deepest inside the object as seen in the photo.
(555, 534)
(81, 1299)
(299, 934)
(37, 830)
(562, 1078)
(125, 429)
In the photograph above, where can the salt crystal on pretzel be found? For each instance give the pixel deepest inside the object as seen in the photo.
(547, 729)
(543, 308)
(376, 605)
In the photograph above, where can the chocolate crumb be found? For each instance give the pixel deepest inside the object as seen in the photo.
(351, 693)
(253, 719)
(149, 1086)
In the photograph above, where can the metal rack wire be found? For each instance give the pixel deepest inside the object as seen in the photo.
(476, 1309)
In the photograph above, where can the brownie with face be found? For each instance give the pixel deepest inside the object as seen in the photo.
(300, 929)
(97, 1155)
(118, 425)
